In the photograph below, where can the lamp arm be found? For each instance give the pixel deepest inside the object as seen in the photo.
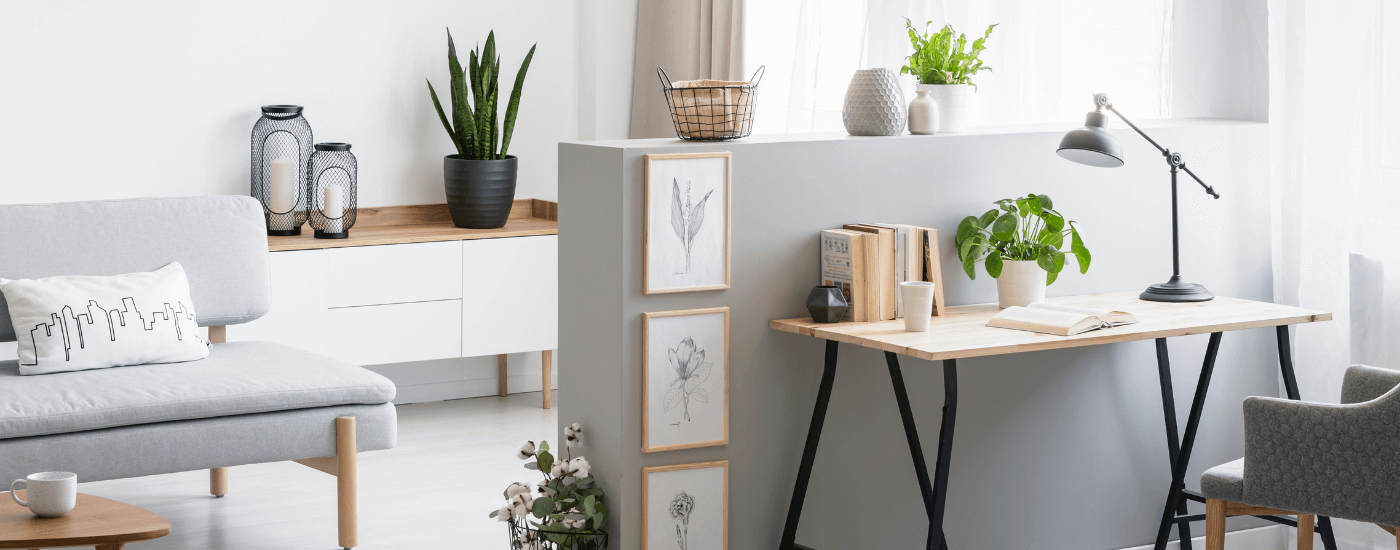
(1172, 158)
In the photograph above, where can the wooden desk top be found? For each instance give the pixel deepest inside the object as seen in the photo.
(423, 224)
(963, 331)
(95, 521)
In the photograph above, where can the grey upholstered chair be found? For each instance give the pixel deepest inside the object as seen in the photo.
(1311, 459)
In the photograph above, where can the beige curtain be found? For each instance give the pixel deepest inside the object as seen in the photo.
(691, 39)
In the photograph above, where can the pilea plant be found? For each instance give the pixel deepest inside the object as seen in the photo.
(1024, 229)
(939, 58)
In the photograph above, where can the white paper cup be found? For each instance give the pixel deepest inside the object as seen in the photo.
(918, 305)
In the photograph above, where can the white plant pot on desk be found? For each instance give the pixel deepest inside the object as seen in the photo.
(952, 105)
(1021, 283)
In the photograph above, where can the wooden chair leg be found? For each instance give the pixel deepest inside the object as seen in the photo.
(1305, 531)
(1215, 524)
(501, 373)
(547, 374)
(345, 481)
(218, 481)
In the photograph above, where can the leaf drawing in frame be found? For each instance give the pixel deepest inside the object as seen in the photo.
(691, 371)
(686, 219)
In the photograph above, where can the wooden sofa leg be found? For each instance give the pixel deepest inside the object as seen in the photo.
(1305, 531)
(1215, 524)
(218, 482)
(547, 373)
(345, 481)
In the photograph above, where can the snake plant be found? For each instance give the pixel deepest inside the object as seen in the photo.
(473, 126)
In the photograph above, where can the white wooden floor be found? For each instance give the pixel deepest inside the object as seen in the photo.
(453, 461)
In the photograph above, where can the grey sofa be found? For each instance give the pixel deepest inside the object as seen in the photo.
(1314, 459)
(248, 402)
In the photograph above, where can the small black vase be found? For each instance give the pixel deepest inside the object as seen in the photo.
(826, 304)
(479, 192)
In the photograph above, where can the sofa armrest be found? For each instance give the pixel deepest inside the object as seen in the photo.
(1334, 460)
(1363, 383)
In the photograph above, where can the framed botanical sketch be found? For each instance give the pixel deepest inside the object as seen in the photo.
(685, 374)
(686, 506)
(687, 222)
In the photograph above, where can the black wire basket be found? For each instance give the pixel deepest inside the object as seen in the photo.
(331, 191)
(281, 147)
(527, 537)
(711, 110)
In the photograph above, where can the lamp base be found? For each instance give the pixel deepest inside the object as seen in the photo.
(1176, 290)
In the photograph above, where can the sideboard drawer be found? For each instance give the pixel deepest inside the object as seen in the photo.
(511, 295)
(371, 335)
(394, 274)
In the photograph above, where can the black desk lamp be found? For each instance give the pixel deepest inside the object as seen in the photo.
(1094, 146)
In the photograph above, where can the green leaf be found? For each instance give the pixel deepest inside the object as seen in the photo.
(966, 228)
(446, 125)
(1045, 201)
(542, 507)
(987, 218)
(588, 505)
(1033, 201)
(531, 466)
(968, 248)
(1004, 229)
(1081, 254)
(1052, 238)
(462, 119)
(970, 267)
(514, 104)
(1051, 260)
(546, 460)
(993, 264)
(1050, 277)
(1053, 222)
(544, 445)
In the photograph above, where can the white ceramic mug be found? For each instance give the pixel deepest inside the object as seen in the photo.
(918, 304)
(50, 494)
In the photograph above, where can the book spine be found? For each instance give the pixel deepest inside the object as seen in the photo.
(838, 268)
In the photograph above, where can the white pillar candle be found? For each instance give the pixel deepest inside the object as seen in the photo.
(334, 208)
(283, 189)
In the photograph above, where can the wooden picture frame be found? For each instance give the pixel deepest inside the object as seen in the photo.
(663, 248)
(700, 526)
(708, 427)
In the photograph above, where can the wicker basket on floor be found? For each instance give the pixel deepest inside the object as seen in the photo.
(711, 110)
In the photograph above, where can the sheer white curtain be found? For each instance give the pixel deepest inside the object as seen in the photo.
(1048, 56)
(1335, 156)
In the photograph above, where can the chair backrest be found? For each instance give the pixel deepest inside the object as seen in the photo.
(220, 241)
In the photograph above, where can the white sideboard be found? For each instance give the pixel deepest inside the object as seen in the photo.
(380, 297)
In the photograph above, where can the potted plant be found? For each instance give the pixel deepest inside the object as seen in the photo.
(567, 506)
(945, 70)
(1020, 244)
(480, 178)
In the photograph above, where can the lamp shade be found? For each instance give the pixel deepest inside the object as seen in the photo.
(1092, 144)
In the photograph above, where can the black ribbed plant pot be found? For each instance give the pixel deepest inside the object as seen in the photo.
(479, 192)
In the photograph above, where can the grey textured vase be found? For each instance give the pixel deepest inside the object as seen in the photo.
(826, 304)
(479, 192)
(875, 104)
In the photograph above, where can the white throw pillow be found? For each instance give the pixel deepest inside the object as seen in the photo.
(76, 322)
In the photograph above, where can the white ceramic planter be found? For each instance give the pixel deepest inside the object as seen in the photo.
(1021, 283)
(875, 104)
(923, 114)
(952, 105)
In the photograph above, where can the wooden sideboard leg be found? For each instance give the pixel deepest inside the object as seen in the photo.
(501, 373)
(117, 546)
(218, 481)
(547, 374)
(345, 481)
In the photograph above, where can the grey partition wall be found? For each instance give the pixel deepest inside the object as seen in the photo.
(1054, 450)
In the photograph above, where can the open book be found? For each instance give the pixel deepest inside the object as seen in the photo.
(1058, 319)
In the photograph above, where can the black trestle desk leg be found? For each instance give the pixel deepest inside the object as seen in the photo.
(1188, 441)
(916, 450)
(1164, 374)
(809, 452)
(1290, 385)
(945, 454)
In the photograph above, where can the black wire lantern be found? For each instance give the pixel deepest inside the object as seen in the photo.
(281, 148)
(331, 190)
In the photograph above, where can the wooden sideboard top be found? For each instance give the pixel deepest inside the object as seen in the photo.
(425, 223)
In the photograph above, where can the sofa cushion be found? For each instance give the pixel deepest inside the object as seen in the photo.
(236, 378)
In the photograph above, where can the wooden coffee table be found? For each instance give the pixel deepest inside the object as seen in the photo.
(95, 521)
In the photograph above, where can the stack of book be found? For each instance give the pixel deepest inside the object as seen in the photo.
(869, 260)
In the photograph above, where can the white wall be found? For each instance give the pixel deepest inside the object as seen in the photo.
(159, 97)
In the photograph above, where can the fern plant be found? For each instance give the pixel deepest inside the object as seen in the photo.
(939, 58)
(473, 127)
